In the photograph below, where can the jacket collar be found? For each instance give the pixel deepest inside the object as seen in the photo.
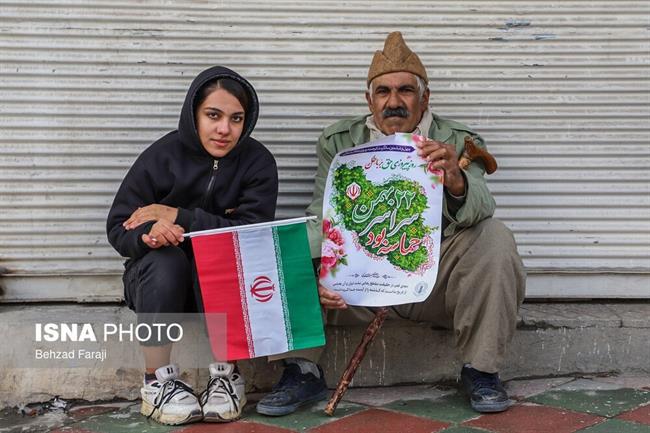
(439, 131)
(359, 132)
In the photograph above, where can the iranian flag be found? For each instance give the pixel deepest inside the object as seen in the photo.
(261, 277)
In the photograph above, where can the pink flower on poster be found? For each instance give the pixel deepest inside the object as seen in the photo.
(332, 252)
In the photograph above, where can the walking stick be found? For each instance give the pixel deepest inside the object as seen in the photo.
(357, 357)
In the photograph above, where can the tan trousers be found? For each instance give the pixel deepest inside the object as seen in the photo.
(478, 291)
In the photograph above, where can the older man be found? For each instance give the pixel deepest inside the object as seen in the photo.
(481, 281)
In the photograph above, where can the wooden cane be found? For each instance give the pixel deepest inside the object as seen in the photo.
(357, 357)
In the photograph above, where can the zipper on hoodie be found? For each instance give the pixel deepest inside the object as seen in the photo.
(215, 167)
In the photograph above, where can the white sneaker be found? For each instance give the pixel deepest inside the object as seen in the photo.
(169, 400)
(224, 398)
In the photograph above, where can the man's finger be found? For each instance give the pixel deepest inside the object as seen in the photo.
(427, 150)
(331, 299)
(327, 293)
(440, 153)
(333, 305)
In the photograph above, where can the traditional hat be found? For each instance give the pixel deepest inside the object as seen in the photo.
(396, 57)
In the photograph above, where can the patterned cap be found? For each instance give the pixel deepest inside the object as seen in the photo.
(396, 57)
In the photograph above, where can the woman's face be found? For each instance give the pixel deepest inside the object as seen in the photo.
(219, 122)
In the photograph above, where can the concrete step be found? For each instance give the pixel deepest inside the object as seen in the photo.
(553, 339)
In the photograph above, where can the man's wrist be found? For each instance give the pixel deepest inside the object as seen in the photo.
(458, 190)
(459, 199)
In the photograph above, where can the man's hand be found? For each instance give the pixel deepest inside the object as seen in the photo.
(153, 212)
(162, 234)
(330, 299)
(444, 156)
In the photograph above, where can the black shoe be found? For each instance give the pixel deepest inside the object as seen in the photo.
(292, 391)
(486, 393)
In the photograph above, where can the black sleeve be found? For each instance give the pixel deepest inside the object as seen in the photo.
(256, 204)
(136, 190)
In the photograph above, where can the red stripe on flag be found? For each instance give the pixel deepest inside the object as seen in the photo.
(216, 264)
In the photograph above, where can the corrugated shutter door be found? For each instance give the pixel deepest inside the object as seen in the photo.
(560, 91)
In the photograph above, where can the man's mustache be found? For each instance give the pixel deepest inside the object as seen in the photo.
(395, 112)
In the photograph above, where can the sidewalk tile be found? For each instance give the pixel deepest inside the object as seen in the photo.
(459, 429)
(625, 381)
(123, 421)
(380, 396)
(232, 427)
(582, 384)
(12, 422)
(450, 408)
(521, 389)
(86, 412)
(640, 415)
(600, 402)
(304, 418)
(617, 426)
(381, 421)
(534, 419)
(71, 430)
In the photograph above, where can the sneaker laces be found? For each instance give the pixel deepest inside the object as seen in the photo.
(222, 385)
(169, 390)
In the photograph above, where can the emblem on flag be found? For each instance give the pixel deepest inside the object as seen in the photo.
(262, 289)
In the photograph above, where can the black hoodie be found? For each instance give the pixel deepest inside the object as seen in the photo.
(177, 171)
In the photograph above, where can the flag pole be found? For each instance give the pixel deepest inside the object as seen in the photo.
(250, 226)
(357, 357)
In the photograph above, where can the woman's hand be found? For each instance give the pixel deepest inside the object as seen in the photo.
(330, 299)
(162, 234)
(444, 156)
(153, 212)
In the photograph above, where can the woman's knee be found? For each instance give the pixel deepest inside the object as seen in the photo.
(164, 281)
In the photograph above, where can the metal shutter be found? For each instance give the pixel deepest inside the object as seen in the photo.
(560, 91)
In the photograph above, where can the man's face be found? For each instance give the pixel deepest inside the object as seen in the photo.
(395, 103)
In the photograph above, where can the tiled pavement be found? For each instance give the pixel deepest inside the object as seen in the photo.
(557, 405)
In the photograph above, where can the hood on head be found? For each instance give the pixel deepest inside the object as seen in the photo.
(187, 122)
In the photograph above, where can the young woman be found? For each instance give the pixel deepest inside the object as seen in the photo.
(207, 174)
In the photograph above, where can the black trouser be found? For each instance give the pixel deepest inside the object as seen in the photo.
(160, 282)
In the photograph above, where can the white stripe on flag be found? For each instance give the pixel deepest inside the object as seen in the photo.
(262, 286)
(242, 291)
(283, 289)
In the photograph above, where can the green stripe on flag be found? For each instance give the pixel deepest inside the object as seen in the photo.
(283, 289)
(300, 285)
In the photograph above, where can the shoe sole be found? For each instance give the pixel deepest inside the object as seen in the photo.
(491, 407)
(215, 417)
(146, 409)
(286, 410)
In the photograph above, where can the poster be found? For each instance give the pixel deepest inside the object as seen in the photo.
(382, 212)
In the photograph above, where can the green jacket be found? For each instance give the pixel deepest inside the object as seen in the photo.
(477, 204)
